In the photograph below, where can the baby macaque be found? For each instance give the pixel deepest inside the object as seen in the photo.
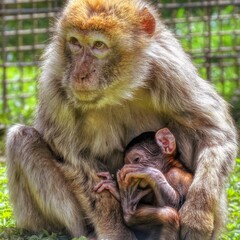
(152, 185)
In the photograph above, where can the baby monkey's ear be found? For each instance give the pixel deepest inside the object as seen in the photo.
(165, 139)
(148, 22)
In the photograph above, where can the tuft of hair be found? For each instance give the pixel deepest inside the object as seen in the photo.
(145, 140)
(111, 16)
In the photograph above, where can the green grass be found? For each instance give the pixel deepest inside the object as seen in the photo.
(233, 226)
(21, 91)
(8, 230)
(17, 234)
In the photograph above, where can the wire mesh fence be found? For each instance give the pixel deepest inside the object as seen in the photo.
(26, 26)
(209, 32)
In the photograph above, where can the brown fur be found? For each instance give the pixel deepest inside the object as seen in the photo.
(151, 164)
(147, 82)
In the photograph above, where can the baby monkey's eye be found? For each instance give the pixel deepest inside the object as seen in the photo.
(136, 160)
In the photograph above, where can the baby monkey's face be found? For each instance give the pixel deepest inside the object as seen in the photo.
(142, 157)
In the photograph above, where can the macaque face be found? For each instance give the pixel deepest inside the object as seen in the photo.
(102, 50)
(151, 149)
(142, 156)
(89, 54)
(97, 67)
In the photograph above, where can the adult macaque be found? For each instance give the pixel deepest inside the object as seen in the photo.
(112, 71)
(150, 159)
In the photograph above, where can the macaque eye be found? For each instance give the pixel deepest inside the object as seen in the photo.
(74, 41)
(136, 160)
(100, 49)
(74, 45)
(99, 45)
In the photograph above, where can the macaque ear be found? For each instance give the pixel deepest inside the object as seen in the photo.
(166, 141)
(148, 22)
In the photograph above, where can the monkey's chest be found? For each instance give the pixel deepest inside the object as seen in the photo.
(140, 124)
(114, 132)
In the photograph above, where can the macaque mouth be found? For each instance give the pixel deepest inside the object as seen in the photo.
(88, 96)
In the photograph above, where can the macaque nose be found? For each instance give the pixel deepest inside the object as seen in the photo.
(85, 75)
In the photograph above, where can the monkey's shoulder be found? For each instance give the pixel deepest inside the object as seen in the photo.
(179, 178)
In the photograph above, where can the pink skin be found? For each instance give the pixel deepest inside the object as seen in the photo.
(130, 177)
(129, 194)
(153, 178)
(150, 175)
(107, 183)
(144, 175)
